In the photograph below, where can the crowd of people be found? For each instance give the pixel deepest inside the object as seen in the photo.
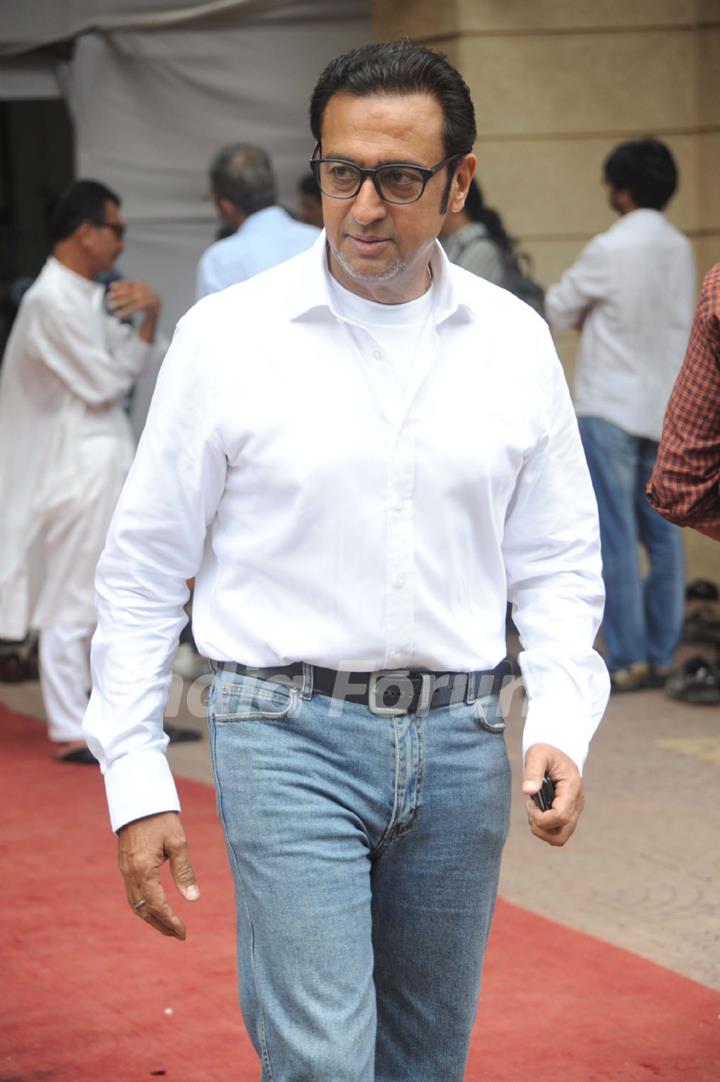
(356, 494)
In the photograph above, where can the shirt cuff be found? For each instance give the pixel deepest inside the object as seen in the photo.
(566, 698)
(138, 785)
(541, 727)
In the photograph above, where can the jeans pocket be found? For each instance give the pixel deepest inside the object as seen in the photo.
(488, 711)
(238, 697)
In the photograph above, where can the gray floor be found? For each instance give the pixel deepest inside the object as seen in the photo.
(642, 871)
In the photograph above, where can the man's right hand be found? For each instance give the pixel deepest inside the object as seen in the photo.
(143, 847)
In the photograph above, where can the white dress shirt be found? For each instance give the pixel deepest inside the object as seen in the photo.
(636, 282)
(323, 524)
(265, 239)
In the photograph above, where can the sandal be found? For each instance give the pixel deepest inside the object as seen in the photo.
(697, 682)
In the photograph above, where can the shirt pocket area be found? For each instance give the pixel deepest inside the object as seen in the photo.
(238, 697)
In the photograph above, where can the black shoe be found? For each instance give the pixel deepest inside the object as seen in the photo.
(80, 755)
(178, 735)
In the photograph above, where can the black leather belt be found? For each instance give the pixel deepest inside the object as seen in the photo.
(388, 692)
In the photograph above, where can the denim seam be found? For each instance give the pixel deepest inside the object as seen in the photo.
(239, 881)
(388, 832)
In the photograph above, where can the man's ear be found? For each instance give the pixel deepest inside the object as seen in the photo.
(83, 233)
(229, 213)
(462, 177)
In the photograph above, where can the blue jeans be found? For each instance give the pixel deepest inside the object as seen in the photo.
(366, 853)
(643, 618)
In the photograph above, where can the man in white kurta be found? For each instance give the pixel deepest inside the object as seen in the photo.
(66, 444)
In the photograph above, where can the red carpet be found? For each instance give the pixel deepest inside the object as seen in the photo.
(86, 987)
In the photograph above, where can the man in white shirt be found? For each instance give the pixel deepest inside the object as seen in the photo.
(261, 234)
(360, 455)
(66, 443)
(630, 293)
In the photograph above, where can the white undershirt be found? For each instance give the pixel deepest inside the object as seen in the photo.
(395, 342)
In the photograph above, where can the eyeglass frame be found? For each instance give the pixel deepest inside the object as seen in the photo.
(118, 228)
(428, 172)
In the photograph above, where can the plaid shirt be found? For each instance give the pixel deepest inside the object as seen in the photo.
(685, 485)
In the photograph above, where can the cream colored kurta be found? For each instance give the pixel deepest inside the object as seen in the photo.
(65, 446)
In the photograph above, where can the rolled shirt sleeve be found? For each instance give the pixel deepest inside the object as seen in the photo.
(586, 282)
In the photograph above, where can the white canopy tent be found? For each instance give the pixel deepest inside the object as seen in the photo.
(156, 86)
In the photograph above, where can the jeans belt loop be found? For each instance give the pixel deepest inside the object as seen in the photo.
(306, 691)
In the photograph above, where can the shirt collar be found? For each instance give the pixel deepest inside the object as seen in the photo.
(452, 299)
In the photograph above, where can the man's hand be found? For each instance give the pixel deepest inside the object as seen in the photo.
(143, 846)
(126, 297)
(556, 825)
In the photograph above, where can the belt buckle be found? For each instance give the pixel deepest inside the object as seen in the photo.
(390, 676)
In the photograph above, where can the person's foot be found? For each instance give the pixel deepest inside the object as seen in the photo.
(630, 678)
(75, 751)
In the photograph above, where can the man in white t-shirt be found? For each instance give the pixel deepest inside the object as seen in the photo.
(630, 294)
(359, 455)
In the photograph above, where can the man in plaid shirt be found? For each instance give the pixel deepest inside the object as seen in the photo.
(685, 484)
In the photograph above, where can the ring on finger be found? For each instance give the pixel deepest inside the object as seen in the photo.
(138, 905)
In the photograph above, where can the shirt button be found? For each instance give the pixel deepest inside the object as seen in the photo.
(399, 582)
(377, 354)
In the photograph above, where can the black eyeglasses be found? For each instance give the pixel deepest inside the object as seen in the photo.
(118, 229)
(396, 182)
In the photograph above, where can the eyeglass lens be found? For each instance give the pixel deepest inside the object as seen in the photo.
(398, 184)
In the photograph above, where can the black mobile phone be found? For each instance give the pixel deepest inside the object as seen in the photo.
(546, 794)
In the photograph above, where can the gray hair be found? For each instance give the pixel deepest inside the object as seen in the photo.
(243, 174)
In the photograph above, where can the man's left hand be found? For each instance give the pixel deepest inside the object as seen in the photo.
(556, 825)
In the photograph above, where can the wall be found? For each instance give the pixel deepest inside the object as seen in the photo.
(558, 83)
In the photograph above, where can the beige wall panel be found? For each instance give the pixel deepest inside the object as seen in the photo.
(703, 557)
(708, 45)
(709, 180)
(418, 19)
(707, 254)
(708, 11)
(553, 186)
(582, 83)
(523, 15)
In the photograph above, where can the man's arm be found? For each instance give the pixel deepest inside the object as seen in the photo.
(552, 558)
(64, 340)
(154, 546)
(568, 303)
(685, 485)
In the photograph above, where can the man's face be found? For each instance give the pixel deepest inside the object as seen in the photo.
(381, 250)
(102, 242)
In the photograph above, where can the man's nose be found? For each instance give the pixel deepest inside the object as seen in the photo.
(368, 206)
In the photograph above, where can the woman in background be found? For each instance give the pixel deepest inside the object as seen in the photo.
(475, 239)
